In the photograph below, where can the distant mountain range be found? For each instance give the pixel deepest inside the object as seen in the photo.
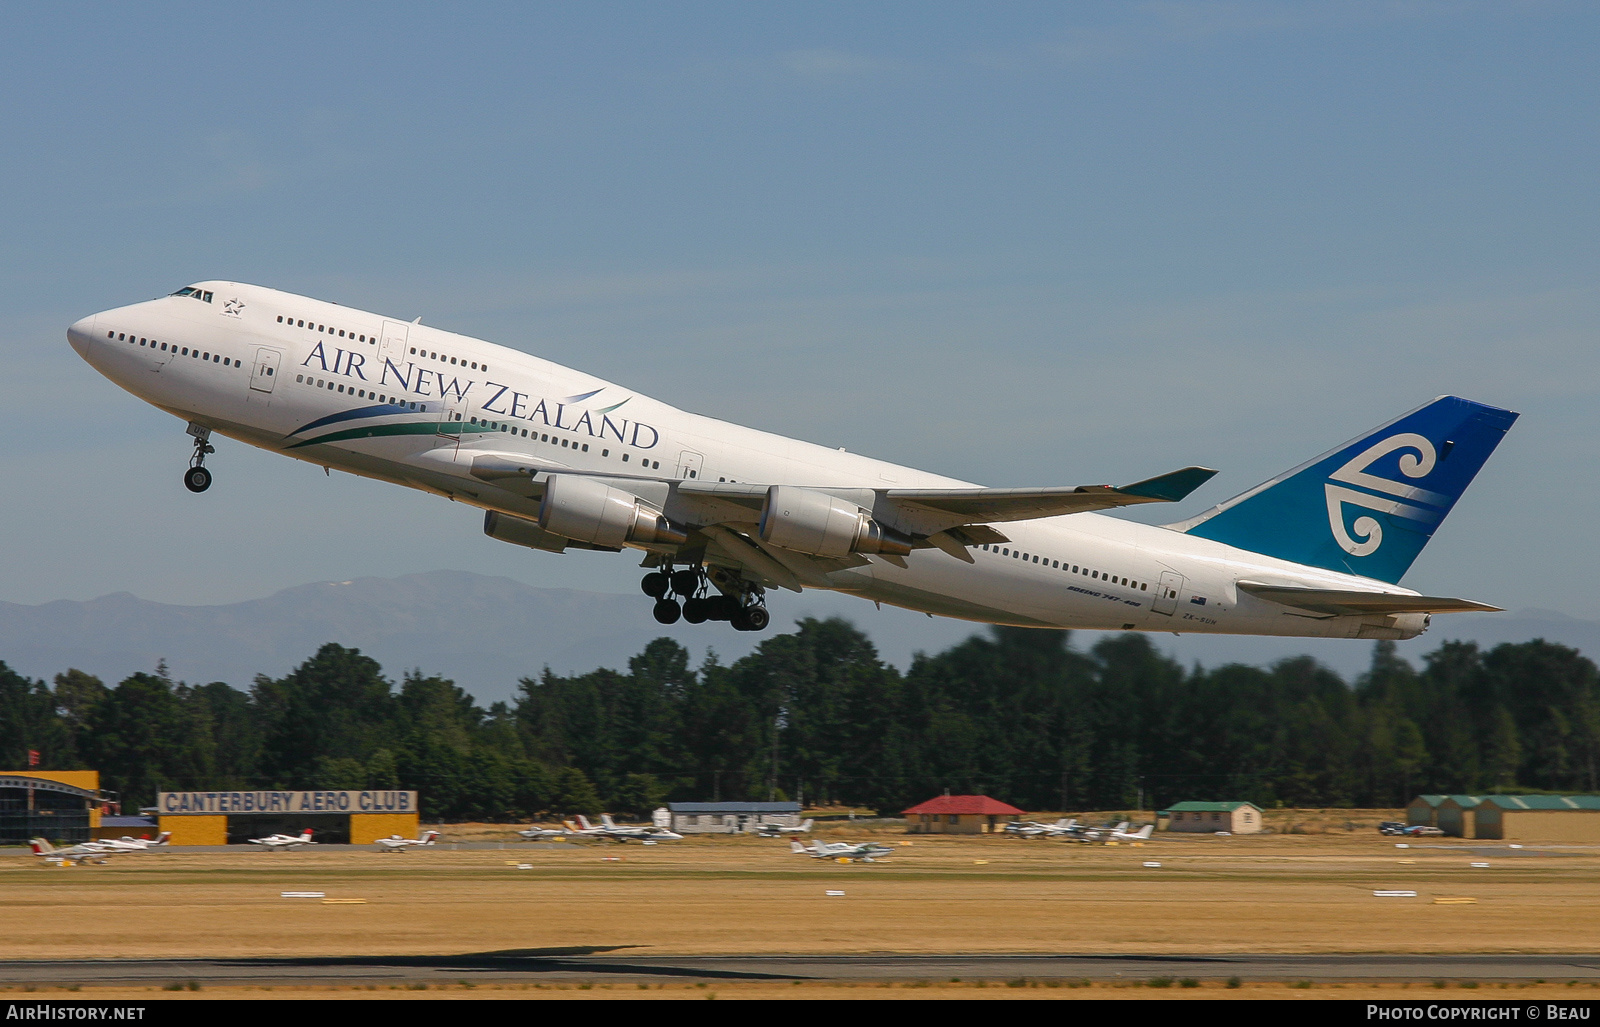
(487, 632)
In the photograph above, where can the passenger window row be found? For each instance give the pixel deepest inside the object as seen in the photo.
(332, 386)
(327, 330)
(1070, 568)
(372, 340)
(215, 358)
(554, 440)
(474, 365)
(535, 436)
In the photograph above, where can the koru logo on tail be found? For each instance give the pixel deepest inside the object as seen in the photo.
(1417, 462)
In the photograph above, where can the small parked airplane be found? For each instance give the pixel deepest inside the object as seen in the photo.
(536, 834)
(778, 830)
(274, 842)
(1124, 835)
(632, 832)
(395, 843)
(1034, 829)
(130, 844)
(85, 852)
(842, 852)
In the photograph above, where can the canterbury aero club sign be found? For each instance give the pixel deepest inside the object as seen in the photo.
(213, 803)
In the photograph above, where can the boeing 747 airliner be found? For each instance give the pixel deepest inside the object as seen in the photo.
(559, 460)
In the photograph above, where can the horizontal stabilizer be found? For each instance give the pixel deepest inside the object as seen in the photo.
(1340, 601)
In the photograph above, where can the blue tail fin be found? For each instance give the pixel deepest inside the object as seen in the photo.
(1369, 506)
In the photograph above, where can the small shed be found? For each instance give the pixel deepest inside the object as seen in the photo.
(960, 814)
(1423, 811)
(729, 817)
(1210, 817)
(1456, 815)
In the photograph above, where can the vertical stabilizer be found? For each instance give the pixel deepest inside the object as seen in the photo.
(1369, 506)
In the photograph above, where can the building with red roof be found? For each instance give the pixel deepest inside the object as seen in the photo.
(960, 814)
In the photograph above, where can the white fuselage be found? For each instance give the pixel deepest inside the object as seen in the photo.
(261, 366)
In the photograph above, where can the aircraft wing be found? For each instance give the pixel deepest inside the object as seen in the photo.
(978, 506)
(1333, 601)
(926, 511)
(723, 513)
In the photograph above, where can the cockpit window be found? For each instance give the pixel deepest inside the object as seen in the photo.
(194, 293)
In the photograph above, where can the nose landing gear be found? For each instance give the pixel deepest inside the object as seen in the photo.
(197, 478)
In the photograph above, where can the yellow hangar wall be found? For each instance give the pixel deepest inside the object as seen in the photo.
(1545, 825)
(203, 818)
(212, 830)
(366, 828)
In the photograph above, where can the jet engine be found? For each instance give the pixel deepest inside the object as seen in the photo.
(592, 511)
(815, 523)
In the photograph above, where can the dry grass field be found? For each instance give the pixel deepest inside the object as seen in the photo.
(1282, 892)
(810, 990)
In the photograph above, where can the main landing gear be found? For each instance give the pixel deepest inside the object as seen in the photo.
(197, 478)
(743, 608)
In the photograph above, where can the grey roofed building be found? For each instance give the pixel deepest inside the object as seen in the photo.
(730, 817)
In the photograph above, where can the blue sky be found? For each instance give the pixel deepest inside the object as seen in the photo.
(1020, 244)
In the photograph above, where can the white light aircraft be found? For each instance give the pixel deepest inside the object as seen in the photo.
(778, 830)
(1122, 834)
(588, 830)
(128, 843)
(535, 834)
(274, 842)
(854, 852)
(1107, 833)
(1034, 829)
(632, 832)
(560, 460)
(395, 843)
(84, 852)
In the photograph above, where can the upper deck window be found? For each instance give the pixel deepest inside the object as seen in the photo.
(194, 293)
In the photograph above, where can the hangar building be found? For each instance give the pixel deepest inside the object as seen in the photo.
(335, 816)
(61, 805)
(726, 817)
(1545, 818)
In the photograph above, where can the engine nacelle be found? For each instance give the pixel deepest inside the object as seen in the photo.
(591, 511)
(815, 523)
(1394, 625)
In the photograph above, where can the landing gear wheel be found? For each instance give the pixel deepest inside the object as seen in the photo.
(667, 611)
(654, 584)
(751, 618)
(685, 582)
(696, 611)
(721, 608)
(197, 478)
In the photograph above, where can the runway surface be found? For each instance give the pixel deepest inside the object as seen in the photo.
(565, 965)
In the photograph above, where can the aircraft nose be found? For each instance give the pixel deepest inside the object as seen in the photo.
(79, 335)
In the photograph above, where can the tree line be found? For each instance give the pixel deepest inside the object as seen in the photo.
(815, 715)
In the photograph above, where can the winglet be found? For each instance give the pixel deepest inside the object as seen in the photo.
(1171, 487)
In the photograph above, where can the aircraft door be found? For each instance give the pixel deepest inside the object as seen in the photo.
(1168, 590)
(450, 419)
(689, 464)
(393, 346)
(264, 372)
